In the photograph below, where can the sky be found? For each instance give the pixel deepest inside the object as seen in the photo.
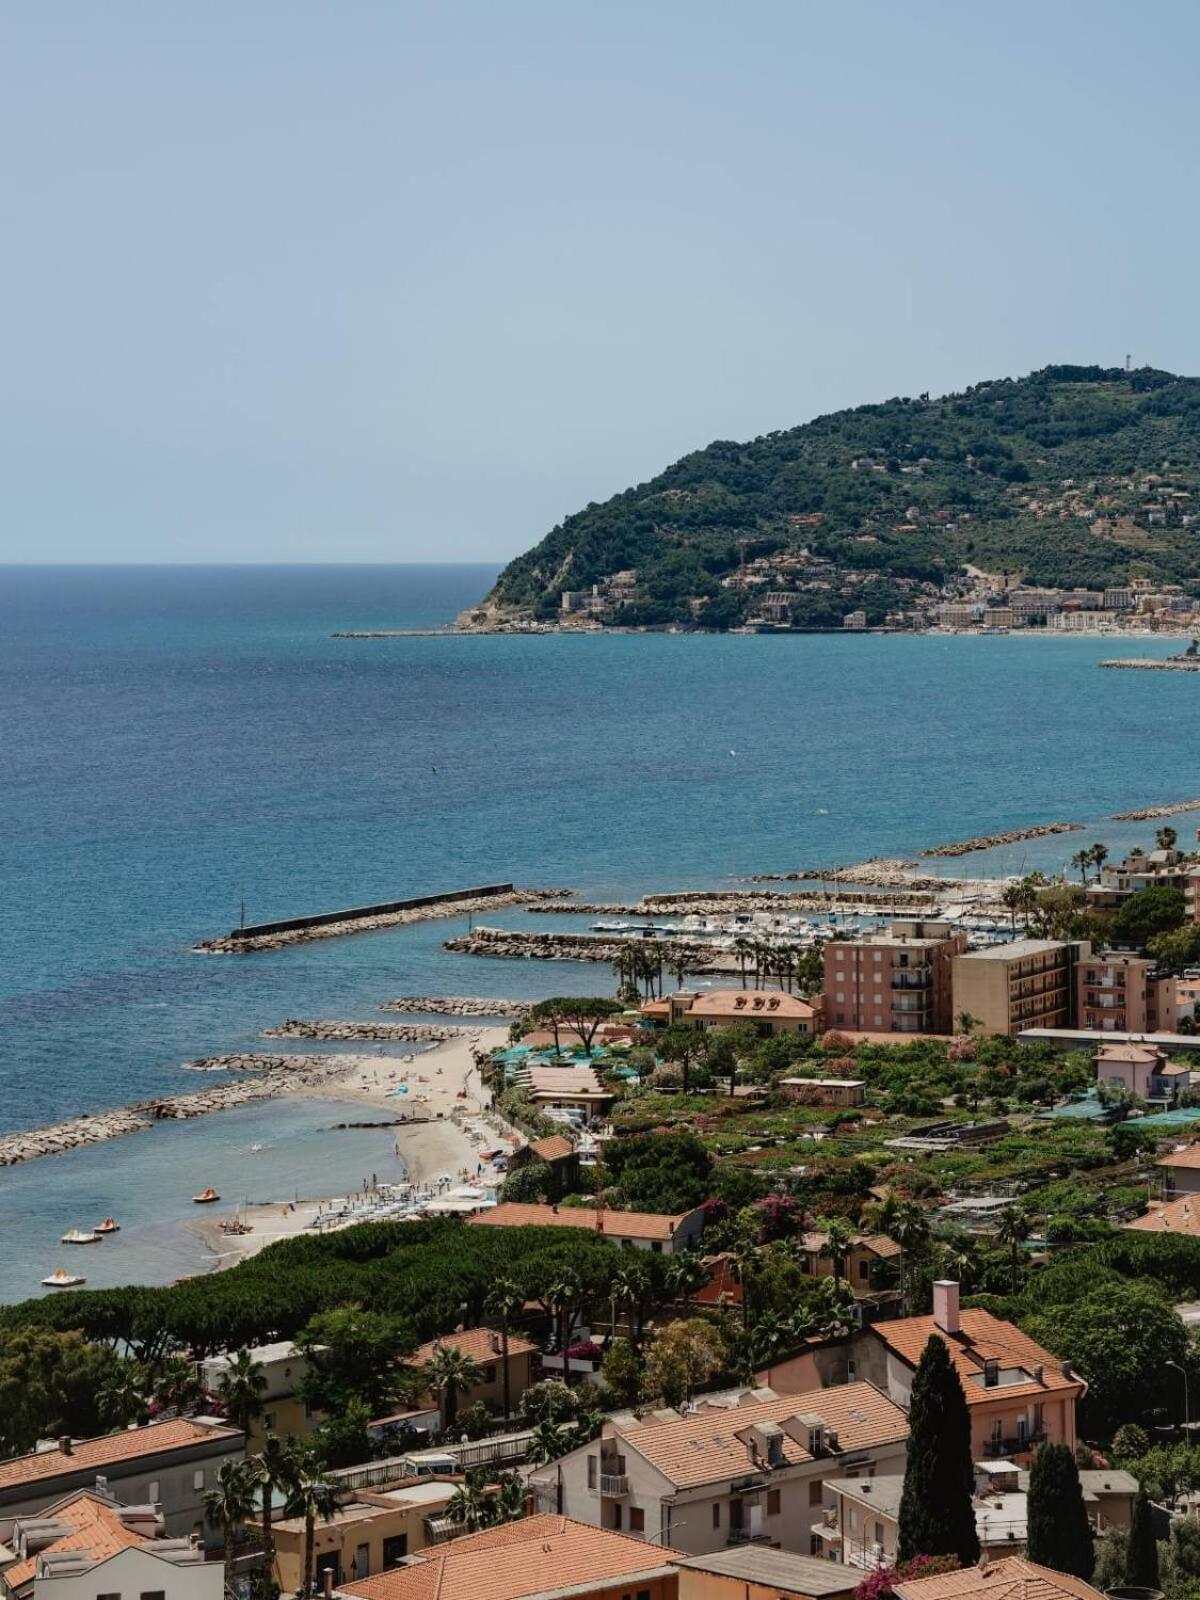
(369, 280)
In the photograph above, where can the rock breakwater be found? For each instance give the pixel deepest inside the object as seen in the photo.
(454, 1005)
(397, 1032)
(266, 1077)
(510, 945)
(989, 841)
(1147, 813)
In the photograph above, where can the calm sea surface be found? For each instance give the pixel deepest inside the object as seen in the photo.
(173, 739)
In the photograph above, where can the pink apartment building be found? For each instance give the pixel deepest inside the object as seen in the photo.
(893, 982)
(1124, 994)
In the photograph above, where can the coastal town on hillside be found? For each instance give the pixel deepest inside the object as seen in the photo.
(821, 1255)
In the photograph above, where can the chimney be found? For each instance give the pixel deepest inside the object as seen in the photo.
(945, 1305)
(328, 1583)
(496, 1343)
(64, 1444)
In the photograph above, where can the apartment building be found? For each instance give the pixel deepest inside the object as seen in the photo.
(1141, 869)
(767, 1011)
(1017, 1393)
(1122, 993)
(898, 981)
(1143, 1069)
(168, 1464)
(486, 1347)
(88, 1544)
(1027, 984)
(374, 1531)
(284, 1369)
(736, 1469)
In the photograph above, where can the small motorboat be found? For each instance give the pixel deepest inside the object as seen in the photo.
(109, 1225)
(255, 1148)
(206, 1197)
(78, 1236)
(63, 1280)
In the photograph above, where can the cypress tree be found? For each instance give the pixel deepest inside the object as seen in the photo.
(1060, 1535)
(1141, 1554)
(937, 1517)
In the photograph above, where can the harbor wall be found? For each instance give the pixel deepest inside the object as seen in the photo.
(386, 908)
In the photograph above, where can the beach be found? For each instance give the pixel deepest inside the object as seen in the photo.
(445, 1133)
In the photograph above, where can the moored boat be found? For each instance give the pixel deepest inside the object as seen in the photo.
(206, 1197)
(78, 1236)
(109, 1225)
(63, 1280)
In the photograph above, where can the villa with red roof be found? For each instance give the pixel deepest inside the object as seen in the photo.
(639, 1230)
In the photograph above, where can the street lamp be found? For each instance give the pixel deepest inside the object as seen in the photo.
(1187, 1409)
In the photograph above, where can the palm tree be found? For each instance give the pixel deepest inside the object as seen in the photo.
(680, 967)
(562, 1294)
(177, 1386)
(839, 1236)
(1082, 860)
(685, 1273)
(274, 1467)
(743, 949)
(241, 1389)
(630, 1285)
(1165, 838)
(1099, 855)
(1014, 1228)
(228, 1507)
(625, 968)
(123, 1397)
(1012, 899)
(546, 1443)
(966, 1022)
(910, 1230)
(743, 1258)
(503, 1299)
(449, 1372)
(469, 1504)
(509, 1504)
(310, 1495)
(785, 966)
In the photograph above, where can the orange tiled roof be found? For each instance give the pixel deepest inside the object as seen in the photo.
(518, 1561)
(1173, 1216)
(620, 1224)
(756, 1003)
(96, 1530)
(982, 1337)
(88, 1454)
(571, 1081)
(1013, 1578)
(474, 1342)
(704, 1448)
(553, 1148)
(1188, 1157)
(877, 1243)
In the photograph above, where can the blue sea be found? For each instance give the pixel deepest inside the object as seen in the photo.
(176, 740)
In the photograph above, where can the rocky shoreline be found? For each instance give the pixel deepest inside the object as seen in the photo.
(452, 1005)
(231, 944)
(989, 841)
(724, 901)
(267, 1077)
(380, 1032)
(1148, 813)
(1152, 664)
(510, 945)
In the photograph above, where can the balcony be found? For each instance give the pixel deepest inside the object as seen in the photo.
(914, 980)
(748, 1536)
(614, 1483)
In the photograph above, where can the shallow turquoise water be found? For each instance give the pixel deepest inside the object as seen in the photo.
(176, 738)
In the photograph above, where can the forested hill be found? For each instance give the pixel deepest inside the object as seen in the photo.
(1079, 476)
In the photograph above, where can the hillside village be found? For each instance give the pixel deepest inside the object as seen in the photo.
(874, 1272)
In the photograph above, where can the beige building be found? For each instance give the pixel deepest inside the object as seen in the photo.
(1029, 983)
(1181, 1170)
(865, 1252)
(844, 1093)
(637, 1230)
(485, 1346)
(741, 1468)
(284, 1411)
(894, 982)
(768, 1011)
(372, 1533)
(1123, 993)
(760, 1572)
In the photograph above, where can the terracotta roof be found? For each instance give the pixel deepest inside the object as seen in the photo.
(1188, 1157)
(573, 1081)
(1013, 1578)
(761, 1004)
(982, 1337)
(96, 1530)
(1173, 1216)
(518, 1561)
(705, 1447)
(88, 1454)
(620, 1224)
(554, 1148)
(475, 1342)
(878, 1243)
(1141, 1055)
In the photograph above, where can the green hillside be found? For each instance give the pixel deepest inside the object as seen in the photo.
(1074, 476)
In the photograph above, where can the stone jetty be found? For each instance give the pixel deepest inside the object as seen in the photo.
(989, 841)
(510, 945)
(266, 1076)
(1149, 664)
(1147, 813)
(395, 1032)
(370, 919)
(456, 1005)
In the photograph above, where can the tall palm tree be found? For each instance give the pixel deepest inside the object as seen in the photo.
(547, 1442)
(449, 1372)
(470, 1503)
(1082, 860)
(680, 967)
(910, 1229)
(274, 1468)
(228, 1507)
(1014, 1228)
(310, 1494)
(630, 1286)
(123, 1397)
(563, 1294)
(785, 966)
(1012, 899)
(509, 1504)
(503, 1299)
(684, 1274)
(743, 949)
(177, 1385)
(743, 1258)
(839, 1236)
(1165, 838)
(241, 1389)
(1099, 854)
(625, 969)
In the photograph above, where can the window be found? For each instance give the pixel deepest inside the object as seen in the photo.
(593, 1470)
(879, 1533)
(362, 1561)
(773, 1502)
(735, 1513)
(716, 1513)
(815, 1495)
(489, 1375)
(394, 1550)
(198, 1478)
(616, 1514)
(657, 1247)
(643, 1594)
(268, 1421)
(637, 1520)
(116, 1596)
(864, 1271)
(152, 1493)
(154, 1594)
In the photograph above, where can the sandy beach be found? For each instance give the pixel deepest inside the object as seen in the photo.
(446, 1135)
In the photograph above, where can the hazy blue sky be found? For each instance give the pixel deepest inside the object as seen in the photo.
(286, 280)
